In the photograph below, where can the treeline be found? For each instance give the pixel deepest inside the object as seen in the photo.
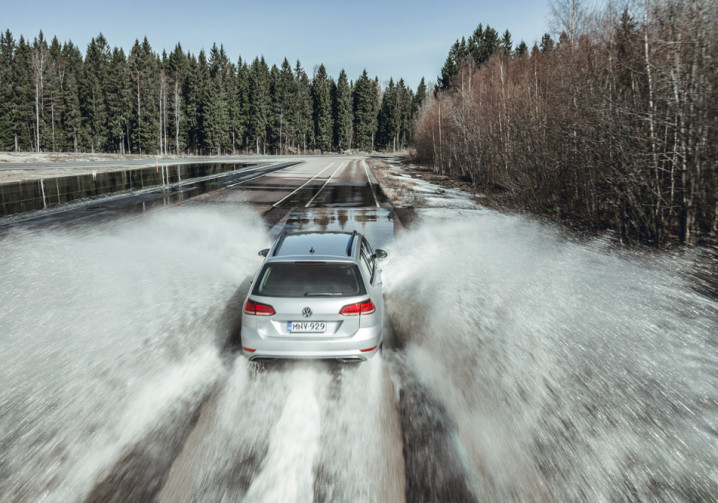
(54, 98)
(613, 126)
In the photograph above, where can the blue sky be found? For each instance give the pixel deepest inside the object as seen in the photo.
(400, 39)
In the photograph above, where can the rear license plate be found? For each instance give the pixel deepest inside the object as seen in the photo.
(307, 327)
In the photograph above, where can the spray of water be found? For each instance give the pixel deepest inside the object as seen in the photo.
(294, 432)
(293, 446)
(104, 332)
(568, 372)
(555, 370)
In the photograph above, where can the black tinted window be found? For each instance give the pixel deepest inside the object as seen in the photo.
(307, 280)
(367, 259)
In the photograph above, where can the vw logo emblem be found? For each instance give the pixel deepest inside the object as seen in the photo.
(306, 312)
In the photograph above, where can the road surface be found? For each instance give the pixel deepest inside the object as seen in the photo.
(519, 365)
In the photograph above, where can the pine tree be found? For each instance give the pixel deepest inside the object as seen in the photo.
(389, 117)
(216, 122)
(302, 111)
(119, 101)
(478, 49)
(456, 56)
(521, 50)
(321, 89)
(144, 127)
(7, 53)
(259, 103)
(366, 104)
(192, 89)
(92, 92)
(626, 54)
(283, 92)
(177, 69)
(39, 71)
(405, 99)
(55, 94)
(506, 43)
(163, 90)
(482, 44)
(240, 108)
(71, 116)
(203, 89)
(419, 99)
(343, 113)
(22, 117)
(547, 43)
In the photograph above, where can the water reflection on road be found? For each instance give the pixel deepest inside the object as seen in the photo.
(377, 224)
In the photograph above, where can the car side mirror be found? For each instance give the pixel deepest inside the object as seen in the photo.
(263, 253)
(379, 253)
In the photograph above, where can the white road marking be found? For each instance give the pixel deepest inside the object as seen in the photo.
(366, 170)
(325, 184)
(302, 186)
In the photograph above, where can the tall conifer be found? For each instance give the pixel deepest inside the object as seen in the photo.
(302, 112)
(93, 88)
(259, 103)
(73, 139)
(119, 101)
(343, 113)
(366, 109)
(22, 102)
(7, 53)
(321, 95)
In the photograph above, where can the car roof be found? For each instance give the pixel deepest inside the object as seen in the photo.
(315, 245)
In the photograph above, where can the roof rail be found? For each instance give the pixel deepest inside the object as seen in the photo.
(280, 240)
(351, 241)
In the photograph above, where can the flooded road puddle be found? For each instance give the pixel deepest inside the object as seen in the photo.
(377, 224)
(48, 193)
(347, 196)
(78, 199)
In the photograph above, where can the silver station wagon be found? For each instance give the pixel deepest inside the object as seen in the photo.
(317, 295)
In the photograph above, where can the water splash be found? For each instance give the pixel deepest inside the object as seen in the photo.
(295, 431)
(104, 330)
(569, 372)
(286, 472)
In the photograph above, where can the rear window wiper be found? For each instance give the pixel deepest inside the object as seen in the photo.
(322, 294)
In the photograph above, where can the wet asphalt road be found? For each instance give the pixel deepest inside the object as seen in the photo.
(183, 456)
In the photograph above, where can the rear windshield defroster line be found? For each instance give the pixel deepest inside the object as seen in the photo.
(297, 279)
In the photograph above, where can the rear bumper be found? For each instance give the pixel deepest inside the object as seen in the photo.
(364, 344)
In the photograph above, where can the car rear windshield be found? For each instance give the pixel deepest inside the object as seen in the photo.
(297, 279)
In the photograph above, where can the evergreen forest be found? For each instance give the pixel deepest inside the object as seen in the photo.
(612, 126)
(54, 98)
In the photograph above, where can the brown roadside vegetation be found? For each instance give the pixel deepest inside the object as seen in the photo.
(613, 129)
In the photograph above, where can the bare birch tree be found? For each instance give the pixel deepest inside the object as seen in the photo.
(616, 130)
(569, 17)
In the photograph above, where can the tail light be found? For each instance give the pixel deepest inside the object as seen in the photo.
(258, 309)
(358, 308)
